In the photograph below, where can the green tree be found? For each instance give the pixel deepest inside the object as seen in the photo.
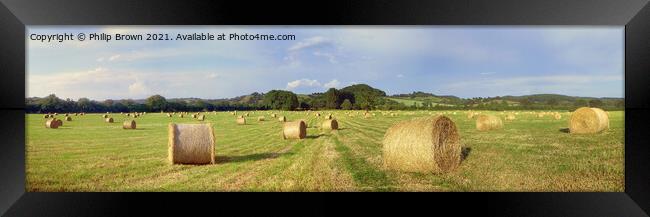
(347, 105)
(332, 99)
(156, 103)
(595, 103)
(84, 104)
(281, 99)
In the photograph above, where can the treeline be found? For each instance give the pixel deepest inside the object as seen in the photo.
(355, 97)
(154, 103)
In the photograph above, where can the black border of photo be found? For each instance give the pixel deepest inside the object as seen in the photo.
(15, 15)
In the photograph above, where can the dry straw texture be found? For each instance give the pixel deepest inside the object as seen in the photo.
(488, 122)
(429, 144)
(588, 120)
(128, 124)
(294, 130)
(241, 121)
(330, 124)
(201, 117)
(109, 120)
(52, 123)
(191, 144)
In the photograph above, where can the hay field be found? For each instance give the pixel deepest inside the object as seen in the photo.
(527, 154)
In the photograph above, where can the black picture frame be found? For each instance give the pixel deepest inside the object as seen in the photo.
(15, 15)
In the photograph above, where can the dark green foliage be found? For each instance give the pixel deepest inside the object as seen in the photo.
(281, 99)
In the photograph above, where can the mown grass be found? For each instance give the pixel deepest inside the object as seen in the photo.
(529, 154)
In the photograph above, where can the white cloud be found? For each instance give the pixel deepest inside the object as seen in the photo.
(309, 42)
(330, 57)
(138, 88)
(114, 57)
(332, 84)
(302, 83)
(212, 75)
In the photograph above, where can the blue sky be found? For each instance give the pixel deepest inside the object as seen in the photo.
(466, 61)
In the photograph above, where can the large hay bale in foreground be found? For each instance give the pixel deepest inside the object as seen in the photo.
(52, 123)
(588, 120)
(430, 144)
(294, 130)
(241, 121)
(331, 124)
(128, 124)
(191, 144)
(109, 120)
(488, 122)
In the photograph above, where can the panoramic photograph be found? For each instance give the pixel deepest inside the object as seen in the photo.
(324, 109)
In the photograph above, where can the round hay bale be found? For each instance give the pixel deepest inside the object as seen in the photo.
(429, 144)
(328, 117)
(104, 116)
(274, 115)
(260, 118)
(128, 124)
(109, 120)
(75, 114)
(201, 117)
(191, 144)
(240, 116)
(282, 119)
(294, 130)
(331, 124)
(194, 116)
(59, 122)
(488, 122)
(52, 123)
(241, 121)
(66, 114)
(247, 114)
(588, 120)
(68, 118)
(180, 115)
(317, 114)
(46, 116)
(169, 115)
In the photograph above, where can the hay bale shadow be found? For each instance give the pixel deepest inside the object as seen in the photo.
(464, 153)
(316, 136)
(564, 130)
(244, 158)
